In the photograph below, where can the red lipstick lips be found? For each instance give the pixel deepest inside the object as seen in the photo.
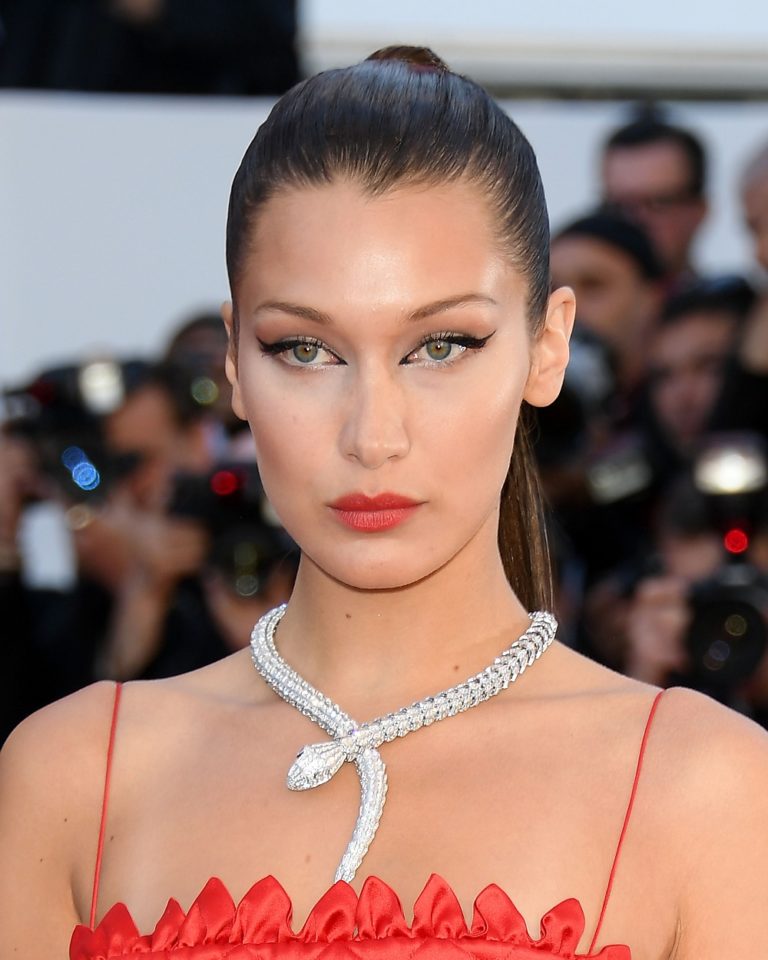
(371, 514)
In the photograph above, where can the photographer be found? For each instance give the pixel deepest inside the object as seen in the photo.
(696, 613)
(25, 685)
(656, 172)
(745, 395)
(155, 433)
(695, 371)
(616, 275)
(102, 442)
(174, 557)
(612, 267)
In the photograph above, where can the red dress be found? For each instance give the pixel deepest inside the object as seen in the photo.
(344, 925)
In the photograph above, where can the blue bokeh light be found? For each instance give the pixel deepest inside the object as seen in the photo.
(73, 456)
(84, 473)
(86, 476)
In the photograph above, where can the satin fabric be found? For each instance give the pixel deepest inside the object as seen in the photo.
(342, 926)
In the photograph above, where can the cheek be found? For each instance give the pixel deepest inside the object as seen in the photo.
(465, 437)
(706, 387)
(292, 429)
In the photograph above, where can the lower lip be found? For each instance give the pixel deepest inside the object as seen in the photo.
(371, 521)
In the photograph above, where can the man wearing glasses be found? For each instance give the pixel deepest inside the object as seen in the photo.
(654, 173)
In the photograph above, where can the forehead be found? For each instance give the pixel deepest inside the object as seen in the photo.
(650, 166)
(697, 332)
(335, 244)
(127, 427)
(577, 254)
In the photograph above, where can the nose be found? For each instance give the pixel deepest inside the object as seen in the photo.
(374, 429)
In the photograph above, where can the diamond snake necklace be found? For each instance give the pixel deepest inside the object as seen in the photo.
(358, 742)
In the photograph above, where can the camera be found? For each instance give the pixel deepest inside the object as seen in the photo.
(60, 415)
(728, 633)
(247, 539)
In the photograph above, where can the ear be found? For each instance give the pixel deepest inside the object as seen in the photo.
(549, 351)
(230, 364)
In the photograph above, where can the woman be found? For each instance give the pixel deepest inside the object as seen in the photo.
(388, 257)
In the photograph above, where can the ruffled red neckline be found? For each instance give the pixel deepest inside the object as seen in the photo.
(342, 924)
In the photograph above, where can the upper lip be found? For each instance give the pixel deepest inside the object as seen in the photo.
(382, 501)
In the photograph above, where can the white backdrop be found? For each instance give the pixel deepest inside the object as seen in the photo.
(685, 22)
(654, 44)
(112, 210)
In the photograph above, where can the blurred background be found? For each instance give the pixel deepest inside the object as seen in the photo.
(135, 538)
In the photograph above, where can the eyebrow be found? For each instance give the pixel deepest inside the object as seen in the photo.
(420, 313)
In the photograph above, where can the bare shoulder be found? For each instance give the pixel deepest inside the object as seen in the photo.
(51, 780)
(710, 782)
(699, 752)
(53, 764)
(55, 752)
(708, 743)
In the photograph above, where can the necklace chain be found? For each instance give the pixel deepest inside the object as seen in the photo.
(317, 763)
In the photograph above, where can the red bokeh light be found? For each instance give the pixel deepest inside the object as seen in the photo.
(736, 541)
(224, 482)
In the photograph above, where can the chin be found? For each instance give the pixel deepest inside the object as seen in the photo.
(400, 569)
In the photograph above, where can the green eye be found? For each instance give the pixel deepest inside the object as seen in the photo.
(305, 352)
(438, 349)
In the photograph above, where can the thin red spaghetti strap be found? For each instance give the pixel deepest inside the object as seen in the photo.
(627, 816)
(104, 805)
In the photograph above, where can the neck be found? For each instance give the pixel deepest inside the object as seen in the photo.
(376, 650)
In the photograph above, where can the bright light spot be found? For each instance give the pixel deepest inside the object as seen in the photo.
(224, 482)
(736, 541)
(72, 457)
(735, 625)
(204, 391)
(79, 517)
(731, 469)
(247, 585)
(101, 386)
(86, 476)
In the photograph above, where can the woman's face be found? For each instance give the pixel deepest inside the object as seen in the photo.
(384, 349)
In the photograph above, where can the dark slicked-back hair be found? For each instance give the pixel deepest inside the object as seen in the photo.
(403, 118)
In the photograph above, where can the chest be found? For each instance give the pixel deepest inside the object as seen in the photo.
(471, 801)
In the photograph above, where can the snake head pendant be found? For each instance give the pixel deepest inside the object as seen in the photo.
(315, 764)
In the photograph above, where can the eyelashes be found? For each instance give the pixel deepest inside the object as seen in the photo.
(435, 349)
(300, 352)
(280, 346)
(445, 339)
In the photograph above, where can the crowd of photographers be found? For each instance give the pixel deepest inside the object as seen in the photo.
(654, 457)
(653, 462)
(174, 551)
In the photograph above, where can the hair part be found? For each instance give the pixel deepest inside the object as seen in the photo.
(402, 118)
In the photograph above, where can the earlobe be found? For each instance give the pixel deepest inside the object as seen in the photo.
(549, 355)
(230, 364)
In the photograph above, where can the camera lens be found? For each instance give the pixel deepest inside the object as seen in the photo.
(726, 640)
